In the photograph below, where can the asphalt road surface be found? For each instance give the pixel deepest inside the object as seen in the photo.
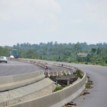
(98, 94)
(15, 67)
(98, 74)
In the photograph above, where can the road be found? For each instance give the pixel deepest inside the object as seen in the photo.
(98, 94)
(98, 74)
(15, 67)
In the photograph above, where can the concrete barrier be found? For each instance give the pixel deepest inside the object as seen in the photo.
(59, 98)
(15, 81)
(35, 90)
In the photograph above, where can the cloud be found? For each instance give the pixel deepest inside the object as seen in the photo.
(95, 12)
(38, 12)
(86, 15)
(69, 20)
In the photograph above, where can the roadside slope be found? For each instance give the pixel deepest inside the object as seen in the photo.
(98, 95)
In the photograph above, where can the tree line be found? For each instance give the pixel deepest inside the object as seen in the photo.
(69, 52)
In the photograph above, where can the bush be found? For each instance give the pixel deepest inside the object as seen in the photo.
(89, 83)
(58, 87)
(78, 73)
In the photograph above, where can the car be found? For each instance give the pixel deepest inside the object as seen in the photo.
(11, 57)
(3, 59)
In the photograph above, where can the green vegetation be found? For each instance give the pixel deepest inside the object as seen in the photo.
(58, 87)
(89, 83)
(78, 73)
(5, 51)
(78, 53)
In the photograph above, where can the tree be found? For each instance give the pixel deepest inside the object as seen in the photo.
(31, 54)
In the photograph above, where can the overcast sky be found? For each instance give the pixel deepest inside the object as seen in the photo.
(64, 21)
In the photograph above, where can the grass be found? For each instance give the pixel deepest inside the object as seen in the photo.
(78, 73)
(89, 83)
(58, 87)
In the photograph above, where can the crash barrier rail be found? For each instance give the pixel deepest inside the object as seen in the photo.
(59, 98)
(43, 64)
(71, 68)
(35, 90)
(15, 81)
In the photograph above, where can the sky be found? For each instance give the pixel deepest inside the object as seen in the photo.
(64, 21)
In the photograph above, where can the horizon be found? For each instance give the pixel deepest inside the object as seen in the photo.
(54, 43)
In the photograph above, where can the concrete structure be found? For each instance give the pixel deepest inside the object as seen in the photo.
(65, 80)
(32, 91)
(58, 98)
(15, 81)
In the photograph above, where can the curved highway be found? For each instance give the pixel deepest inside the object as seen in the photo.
(98, 94)
(15, 67)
